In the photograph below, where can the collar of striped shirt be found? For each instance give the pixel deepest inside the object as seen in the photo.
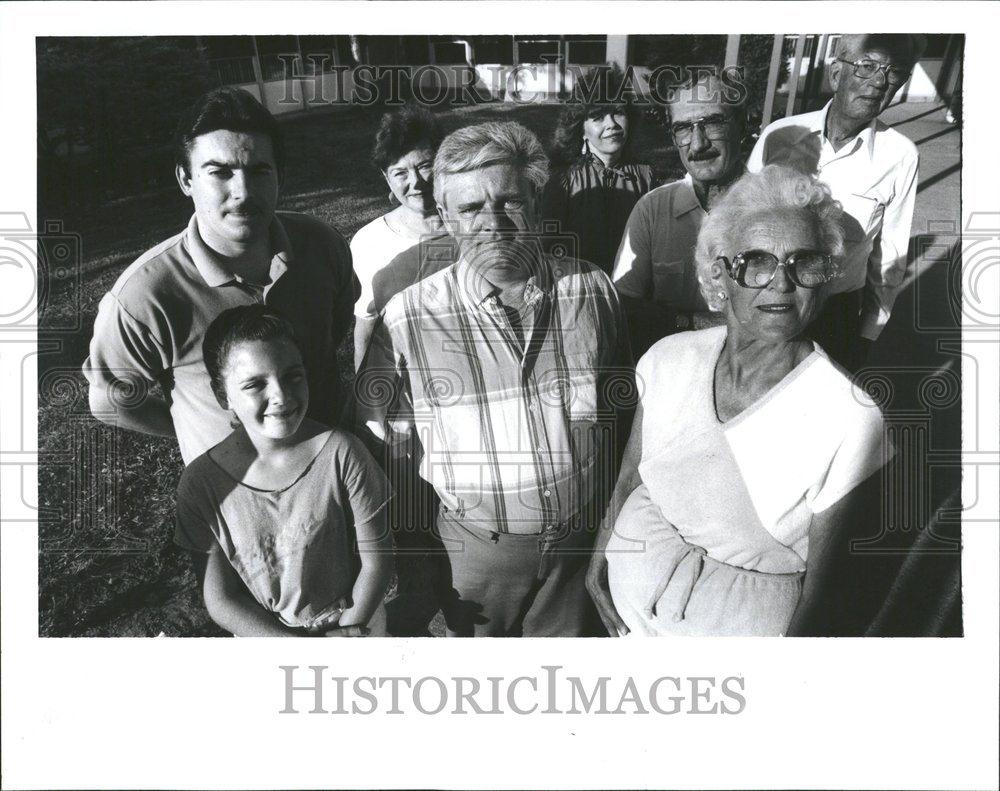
(475, 289)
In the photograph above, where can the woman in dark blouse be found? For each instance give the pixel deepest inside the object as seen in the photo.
(595, 182)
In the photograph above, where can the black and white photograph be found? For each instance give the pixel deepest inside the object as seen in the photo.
(319, 324)
(482, 415)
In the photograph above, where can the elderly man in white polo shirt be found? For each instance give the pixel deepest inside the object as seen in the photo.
(871, 169)
(654, 270)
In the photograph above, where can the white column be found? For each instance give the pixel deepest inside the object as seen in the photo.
(793, 78)
(732, 51)
(772, 79)
(617, 50)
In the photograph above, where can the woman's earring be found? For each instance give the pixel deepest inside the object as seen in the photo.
(585, 148)
(723, 296)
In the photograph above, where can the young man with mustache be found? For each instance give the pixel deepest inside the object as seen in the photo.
(871, 170)
(654, 270)
(236, 250)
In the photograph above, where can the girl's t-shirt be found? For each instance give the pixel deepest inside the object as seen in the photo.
(294, 547)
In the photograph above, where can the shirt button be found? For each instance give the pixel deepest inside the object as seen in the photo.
(547, 493)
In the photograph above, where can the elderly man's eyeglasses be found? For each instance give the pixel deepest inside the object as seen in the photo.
(865, 69)
(757, 268)
(714, 127)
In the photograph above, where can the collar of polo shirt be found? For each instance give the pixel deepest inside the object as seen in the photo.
(211, 268)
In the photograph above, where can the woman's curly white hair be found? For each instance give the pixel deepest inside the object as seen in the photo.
(775, 187)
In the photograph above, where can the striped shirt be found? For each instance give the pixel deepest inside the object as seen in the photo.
(517, 438)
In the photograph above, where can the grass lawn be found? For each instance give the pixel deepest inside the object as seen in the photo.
(107, 563)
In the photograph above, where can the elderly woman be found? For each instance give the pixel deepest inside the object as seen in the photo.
(405, 145)
(749, 446)
(599, 183)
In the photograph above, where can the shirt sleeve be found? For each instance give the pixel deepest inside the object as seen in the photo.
(622, 390)
(633, 270)
(348, 286)
(887, 264)
(367, 488)
(362, 305)
(382, 392)
(192, 528)
(863, 451)
(623, 345)
(123, 349)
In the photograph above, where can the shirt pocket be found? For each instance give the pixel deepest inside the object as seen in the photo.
(455, 414)
(572, 386)
(668, 281)
(861, 213)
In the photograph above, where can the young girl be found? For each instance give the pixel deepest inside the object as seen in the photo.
(275, 511)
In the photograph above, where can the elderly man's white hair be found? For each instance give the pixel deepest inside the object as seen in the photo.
(775, 187)
(908, 47)
(483, 145)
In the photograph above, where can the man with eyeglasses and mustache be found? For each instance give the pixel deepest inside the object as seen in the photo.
(654, 270)
(871, 170)
(236, 250)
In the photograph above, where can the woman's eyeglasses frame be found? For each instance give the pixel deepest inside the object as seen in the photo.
(736, 268)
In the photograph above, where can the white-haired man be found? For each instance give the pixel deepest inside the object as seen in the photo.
(654, 270)
(504, 371)
(871, 169)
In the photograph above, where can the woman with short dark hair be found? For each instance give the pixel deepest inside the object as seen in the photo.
(405, 144)
(597, 182)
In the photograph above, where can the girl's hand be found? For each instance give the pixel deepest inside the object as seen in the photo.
(331, 618)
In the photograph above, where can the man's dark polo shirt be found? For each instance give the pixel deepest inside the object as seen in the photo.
(150, 326)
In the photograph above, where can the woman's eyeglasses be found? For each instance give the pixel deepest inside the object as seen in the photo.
(714, 127)
(757, 268)
(866, 69)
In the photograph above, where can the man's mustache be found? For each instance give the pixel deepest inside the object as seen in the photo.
(246, 208)
(702, 156)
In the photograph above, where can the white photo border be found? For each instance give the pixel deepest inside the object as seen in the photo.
(192, 713)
